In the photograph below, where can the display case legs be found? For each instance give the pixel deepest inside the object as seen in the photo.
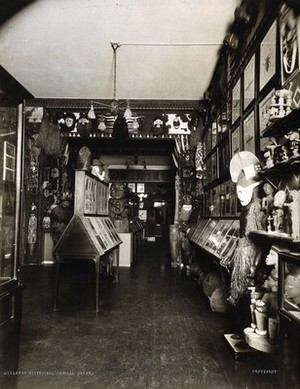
(97, 270)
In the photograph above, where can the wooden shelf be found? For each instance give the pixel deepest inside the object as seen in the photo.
(273, 237)
(283, 125)
(281, 167)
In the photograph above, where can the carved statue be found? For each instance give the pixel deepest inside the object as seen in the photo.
(118, 206)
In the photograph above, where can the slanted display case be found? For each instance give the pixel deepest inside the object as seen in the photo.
(216, 236)
(90, 233)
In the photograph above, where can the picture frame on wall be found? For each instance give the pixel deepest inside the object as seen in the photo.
(208, 170)
(214, 166)
(236, 101)
(263, 114)
(267, 67)
(140, 188)
(131, 187)
(208, 140)
(214, 133)
(224, 119)
(236, 140)
(229, 112)
(249, 82)
(249, 133)
(224, 156)
(289, 45)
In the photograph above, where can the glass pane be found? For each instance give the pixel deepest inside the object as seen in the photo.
(8, 148)
(291, 289)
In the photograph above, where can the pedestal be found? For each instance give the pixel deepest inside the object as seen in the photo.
(47, 248)
(126, 249)
(258, 342)
(238, 347)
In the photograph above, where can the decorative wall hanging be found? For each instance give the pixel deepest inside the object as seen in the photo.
(267, 66)
(178, 124)
(159, 125)
(49, 136)
(288, 44)
(84, 126)
(68, 122)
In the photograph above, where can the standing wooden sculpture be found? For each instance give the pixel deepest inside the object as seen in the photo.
(243, 170)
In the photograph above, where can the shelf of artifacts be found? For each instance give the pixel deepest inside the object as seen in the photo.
(90, 235)
(101, 135)
(217, 236)
(281, 125)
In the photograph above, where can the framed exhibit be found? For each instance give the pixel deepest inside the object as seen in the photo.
(263, 109)
(207, 231)
(236, 101)
(208, 140)
(215, 201)
(131, 187)
(200, 228)
(178, 123)
(224, 119)
(230, 239)
(9, 161)
(220, 233)
(143, 214)
(214, 132)
(140, 188)
(229, 112)
(267, 66)
(212, 242)
(223, 156)
(289, 49)
(249, 133)
(236, 140)
(208, 169)
(249, 82)
(214, 166)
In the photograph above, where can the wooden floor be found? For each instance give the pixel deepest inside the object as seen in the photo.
(155, 330)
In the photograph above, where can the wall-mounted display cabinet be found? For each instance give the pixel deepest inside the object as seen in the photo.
(289, 287)
(11, 97)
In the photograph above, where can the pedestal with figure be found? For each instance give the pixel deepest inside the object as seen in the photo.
(118, 206)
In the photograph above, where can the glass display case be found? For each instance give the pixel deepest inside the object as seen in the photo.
(289, 286)
(11, 97)
(90, 234)
(218, 237)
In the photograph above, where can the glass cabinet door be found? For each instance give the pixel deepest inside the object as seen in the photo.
(8, 191)
(290, 278)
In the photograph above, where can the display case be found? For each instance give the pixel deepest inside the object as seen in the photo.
(90, 234)
(289, 287)
(216, 236)
(11, 97)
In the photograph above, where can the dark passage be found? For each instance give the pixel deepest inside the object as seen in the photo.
(155, 330)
